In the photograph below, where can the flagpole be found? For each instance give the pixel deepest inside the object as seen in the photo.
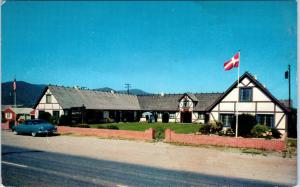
(15, 99)
(236, 106)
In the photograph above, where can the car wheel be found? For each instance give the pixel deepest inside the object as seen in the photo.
(33, 134)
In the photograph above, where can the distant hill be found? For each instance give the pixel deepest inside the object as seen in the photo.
(27, 94)
(131, 91)
(105, 89)
(134, 92)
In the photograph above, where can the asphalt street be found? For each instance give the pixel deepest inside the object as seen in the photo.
(29, 167)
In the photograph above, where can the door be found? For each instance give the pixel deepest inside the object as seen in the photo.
(186, 117)
(165, 117)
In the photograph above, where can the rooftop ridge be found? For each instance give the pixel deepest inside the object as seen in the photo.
(89, 90)
(173, 94)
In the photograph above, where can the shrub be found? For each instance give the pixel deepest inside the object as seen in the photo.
(215, 126)
(11, 124)
(275, 133)
(226, 132)
(112, 127)
(3, 120)
(204, 129)
(261, 131)
(159, 133)
(54, 120)
(64, 120)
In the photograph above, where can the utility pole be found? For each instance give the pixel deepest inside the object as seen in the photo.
(127, 86)
(288, 76)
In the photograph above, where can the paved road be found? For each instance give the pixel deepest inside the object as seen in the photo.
(29, 167)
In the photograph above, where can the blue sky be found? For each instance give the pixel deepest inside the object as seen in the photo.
(170, 47)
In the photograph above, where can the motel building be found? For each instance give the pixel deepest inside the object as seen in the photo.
(88, 106)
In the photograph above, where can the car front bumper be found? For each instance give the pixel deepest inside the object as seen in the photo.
(47, 131)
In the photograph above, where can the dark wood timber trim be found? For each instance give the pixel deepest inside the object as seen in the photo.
(247, 85)
(251, 111)
(279, 120)
(213, 116)
(242, 83)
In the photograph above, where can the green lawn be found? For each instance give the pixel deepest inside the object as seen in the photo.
(183, 128)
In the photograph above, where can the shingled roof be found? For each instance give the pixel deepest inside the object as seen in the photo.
(69, 97)
(166, 102)
(169, 102)
(205, 100)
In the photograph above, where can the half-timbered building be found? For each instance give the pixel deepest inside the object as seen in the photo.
(250, 97)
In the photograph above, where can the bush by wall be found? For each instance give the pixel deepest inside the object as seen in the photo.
(112, 127)
(64, 120)
(204, 129)
(275, 133)
(159, 133)
(261, 131)
(213, 127)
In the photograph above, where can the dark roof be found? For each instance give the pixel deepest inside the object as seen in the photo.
(205, 100)
(259, 86)
(166, 102)
(169, 102)
(285, 102)
(70, 97)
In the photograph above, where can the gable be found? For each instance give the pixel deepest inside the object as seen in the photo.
(48, 92)
(186, 104)
(259, 92)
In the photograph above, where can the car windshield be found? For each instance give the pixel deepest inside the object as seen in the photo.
(34, 122)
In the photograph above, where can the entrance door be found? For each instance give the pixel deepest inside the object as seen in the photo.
(165, 117)
(186, 117)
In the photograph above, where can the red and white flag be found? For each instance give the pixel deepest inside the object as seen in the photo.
(14, 85)
(233, 62)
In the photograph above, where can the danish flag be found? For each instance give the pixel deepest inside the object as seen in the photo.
(233, 62)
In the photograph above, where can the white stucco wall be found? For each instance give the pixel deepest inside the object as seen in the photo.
(48, 107)
(260, 102)
(190, 103)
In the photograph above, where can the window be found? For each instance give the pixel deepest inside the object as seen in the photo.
(227, 119)
(245, 94)
(265, 119)
(185, 103)
(200, 116)
(8, 115)
(48, 99)
(172, 115)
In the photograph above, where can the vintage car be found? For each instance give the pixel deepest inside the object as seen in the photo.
(34, 127)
